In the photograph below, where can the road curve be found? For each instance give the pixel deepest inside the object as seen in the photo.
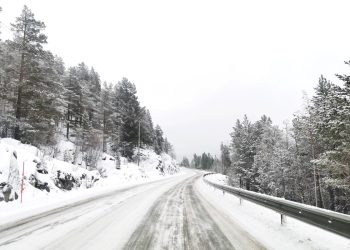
(166, 214)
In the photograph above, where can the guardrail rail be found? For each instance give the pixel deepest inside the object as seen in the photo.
(331, 221)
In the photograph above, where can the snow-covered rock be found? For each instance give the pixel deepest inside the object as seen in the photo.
(150, 162)
(107, 165)
(9, 172)
(47, 174)
(41, 174)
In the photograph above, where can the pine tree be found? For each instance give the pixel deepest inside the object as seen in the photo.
(158, 140)
(72, 99)
(147, 130)
(44, 102)
(129, 115)
(28, 44)
(263, 160)
(225, 159)
(243, 145)
(185, 162)
(7, 90)
(196, 161)
(168, 148)
(304, 137)
(332, 109)
(94, 99)
(107, 114)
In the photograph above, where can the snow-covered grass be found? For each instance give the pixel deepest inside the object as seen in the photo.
(264, 224)
(50, 182)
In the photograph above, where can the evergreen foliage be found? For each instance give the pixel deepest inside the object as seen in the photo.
(41, 99)
(185, 162)
(225, 160)
(204, 161)
(308, 163)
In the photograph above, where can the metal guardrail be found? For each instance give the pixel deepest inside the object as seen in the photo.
(325, 219)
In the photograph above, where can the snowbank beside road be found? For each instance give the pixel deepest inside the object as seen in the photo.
(218, 178)
(13, 212)
(263, 224)
(50, 183)
(46, 176)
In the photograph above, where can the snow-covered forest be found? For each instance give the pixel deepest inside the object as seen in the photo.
(307, 161)
(68, 115)
(41, 100)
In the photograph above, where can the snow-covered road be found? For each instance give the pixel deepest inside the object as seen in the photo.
(182, 219)
(170, 213)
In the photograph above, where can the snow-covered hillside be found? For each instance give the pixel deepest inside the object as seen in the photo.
(46, 176)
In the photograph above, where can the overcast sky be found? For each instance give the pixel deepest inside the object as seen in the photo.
(200, 65)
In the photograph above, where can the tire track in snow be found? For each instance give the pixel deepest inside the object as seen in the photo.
(179, 220)
(89, 224)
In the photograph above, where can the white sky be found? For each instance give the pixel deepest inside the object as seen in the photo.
(200, 65)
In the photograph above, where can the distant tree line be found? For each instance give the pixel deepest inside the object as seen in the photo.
(308, 162)
(40, 99)
(205, 161)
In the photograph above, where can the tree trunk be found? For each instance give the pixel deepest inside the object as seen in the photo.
(19, 104)
(337, 200)
(104, 143)
(67, 134)
(320, 198)
(247, 184)
(17, 134)
(283, 185)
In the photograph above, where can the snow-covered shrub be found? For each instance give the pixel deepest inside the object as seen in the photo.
(38, 183)
(65, 181)
(69, 181)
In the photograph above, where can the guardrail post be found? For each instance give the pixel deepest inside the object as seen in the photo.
(240, 201)
(283, 219)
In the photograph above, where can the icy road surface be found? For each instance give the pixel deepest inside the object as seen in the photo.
(164, 214)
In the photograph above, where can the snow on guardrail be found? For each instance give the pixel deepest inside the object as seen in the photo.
(325, 219)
